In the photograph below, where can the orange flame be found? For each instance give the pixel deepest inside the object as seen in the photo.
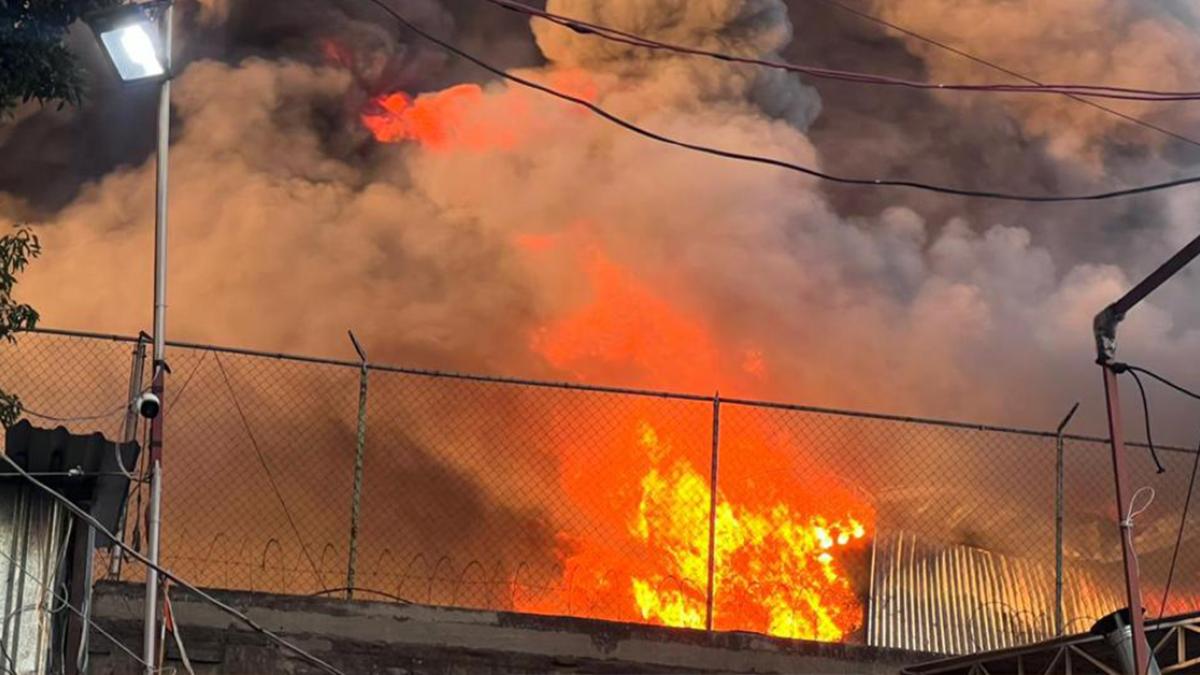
(464, 117)
(786, 549)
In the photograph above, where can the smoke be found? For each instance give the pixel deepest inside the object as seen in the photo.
(290, 223)
(1112, 42)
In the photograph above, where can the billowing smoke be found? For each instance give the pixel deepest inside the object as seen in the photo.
(515, 234)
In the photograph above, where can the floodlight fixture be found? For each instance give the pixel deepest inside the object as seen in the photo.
(131, 38)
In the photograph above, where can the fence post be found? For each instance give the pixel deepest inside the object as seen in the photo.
(136, 373)
(359, 448)
(712, 511)
(1059, 473)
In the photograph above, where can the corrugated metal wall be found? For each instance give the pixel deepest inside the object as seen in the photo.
(960, 599)
(33, 534)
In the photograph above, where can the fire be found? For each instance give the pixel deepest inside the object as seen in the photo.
(787, 549)
(450, 119)
(789, 541)
(465, 117)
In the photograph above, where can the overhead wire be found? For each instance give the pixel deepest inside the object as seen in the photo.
(1187, 503)
(267, 469)
(1007, 71)
(633, 39)
(770, 161)
(1146, 418)
(168, 574)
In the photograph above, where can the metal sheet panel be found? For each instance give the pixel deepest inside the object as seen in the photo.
(957, 599)
(33, 534)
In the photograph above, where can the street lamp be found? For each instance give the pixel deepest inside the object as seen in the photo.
(130, 40)
(136, 38)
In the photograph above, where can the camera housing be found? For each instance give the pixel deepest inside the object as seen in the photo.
(148, 405)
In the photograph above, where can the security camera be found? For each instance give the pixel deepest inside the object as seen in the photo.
(148, 405)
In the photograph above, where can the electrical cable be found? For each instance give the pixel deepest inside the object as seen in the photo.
(1187, 503)
(266, 468)
(207, 597)
(1179, 388)
(1146, 418)
(1007, 71)
(84, 418)
(769, 161)
(633, 39)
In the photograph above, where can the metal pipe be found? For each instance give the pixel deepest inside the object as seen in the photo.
(1133, 586)
(712, 512)
(359, 451)
(1059, 498)
(149, 653)
(136, 372)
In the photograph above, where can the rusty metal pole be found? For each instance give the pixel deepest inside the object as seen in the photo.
(1059, 499)
(359, 450)
(712, 512)
(1104, 328)
(1133, 587)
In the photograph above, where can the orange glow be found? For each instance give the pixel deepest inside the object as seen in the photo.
(628, 325)
(787, 548)
(451, 119)
(790, 542)
(466, 118)
(784, 559)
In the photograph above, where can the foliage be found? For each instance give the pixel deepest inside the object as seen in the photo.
(34, 62)
(16, 250)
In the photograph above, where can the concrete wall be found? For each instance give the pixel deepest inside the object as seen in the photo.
(385, 638)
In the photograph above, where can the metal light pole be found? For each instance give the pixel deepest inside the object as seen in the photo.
(158, 384)
(139, 49)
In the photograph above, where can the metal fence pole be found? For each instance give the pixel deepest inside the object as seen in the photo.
(136, 373)
(712, 511)
(359, 449)
(1059, 498)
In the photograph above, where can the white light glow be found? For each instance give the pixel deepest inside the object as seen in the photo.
(133, 52)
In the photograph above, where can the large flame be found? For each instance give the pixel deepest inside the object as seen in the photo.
(789, 550)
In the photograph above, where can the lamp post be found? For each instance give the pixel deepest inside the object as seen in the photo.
(139, 49)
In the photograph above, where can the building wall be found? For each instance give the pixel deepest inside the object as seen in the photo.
(33, 536)
(369, 638)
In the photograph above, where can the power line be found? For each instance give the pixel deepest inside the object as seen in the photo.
(266, 468)
(1007, 71)
(1179, 388)
(633, 39)
(1146, 417)
(1187, 503)
(251, 623)
(770, 161)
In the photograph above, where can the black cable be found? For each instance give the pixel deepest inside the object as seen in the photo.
(1160, 378)
(1007, 71)
(769, 161)
(633, 39)
(1146, 419)
(270, 477)
(1187, 502)
(167, 574)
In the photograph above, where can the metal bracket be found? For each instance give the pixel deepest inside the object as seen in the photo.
(1104, 327)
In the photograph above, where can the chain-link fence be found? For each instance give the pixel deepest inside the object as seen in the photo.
(306, 476)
